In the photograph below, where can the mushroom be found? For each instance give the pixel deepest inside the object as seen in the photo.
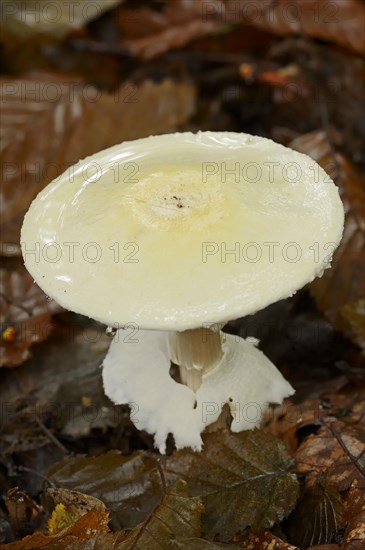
(170, 237)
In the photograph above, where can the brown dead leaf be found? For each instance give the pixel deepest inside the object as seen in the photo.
(86, 528)
(336, 453)
(337, 98)
(264, 541)
(70, 506)
(25, 318)
(129, 486)
(149, 33)
(73, 500)
(337, 21)
(136, 23)
(289, 419)
(355, 516)
(243, 480)
(49, 122)
(46, 392)
(333, 449)
(176, 518)
(174, 522)
(317, 516)
(340, 290)
(21, 508)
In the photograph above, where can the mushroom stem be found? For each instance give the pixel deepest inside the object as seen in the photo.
(196, 352)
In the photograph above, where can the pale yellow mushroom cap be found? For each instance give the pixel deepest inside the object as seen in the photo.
(174, 231)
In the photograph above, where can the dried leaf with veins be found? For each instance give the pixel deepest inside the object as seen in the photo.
(341, 290)
(45, 132)
(70, 506)
(176, 517)
(174, 522)
(287, 421)
(149, 33)
(61, 386)
(317, 516)
(79, 502)
(336, 453)
(25, 318)
(129, 486)
(243, 479)
(337, 21)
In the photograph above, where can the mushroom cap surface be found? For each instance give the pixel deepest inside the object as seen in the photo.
(181, 230)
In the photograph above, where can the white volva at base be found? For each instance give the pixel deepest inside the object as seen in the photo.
(138, 373)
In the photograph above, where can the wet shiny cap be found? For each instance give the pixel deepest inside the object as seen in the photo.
(176, 231)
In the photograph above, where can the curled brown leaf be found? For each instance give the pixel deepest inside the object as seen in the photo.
(74, 536)
(25, 318)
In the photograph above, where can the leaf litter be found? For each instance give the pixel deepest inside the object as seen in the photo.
(74, 472)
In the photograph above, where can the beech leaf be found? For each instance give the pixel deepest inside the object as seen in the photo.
(339, 293)
(175, 519)
(60, 386)
(129, 486)
(178, 516)
(76, 503)
(71, 538)
(243, 480)
(316, 517)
